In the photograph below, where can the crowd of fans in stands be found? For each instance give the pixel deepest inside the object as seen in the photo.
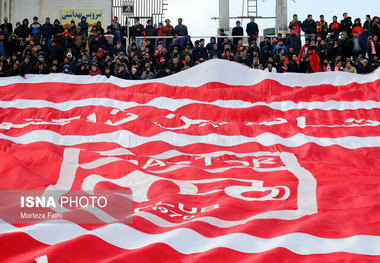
(83, 50)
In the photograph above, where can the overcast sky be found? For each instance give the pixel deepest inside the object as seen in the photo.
(197, 14)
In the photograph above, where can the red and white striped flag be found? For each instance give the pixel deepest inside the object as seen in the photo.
(225, 164)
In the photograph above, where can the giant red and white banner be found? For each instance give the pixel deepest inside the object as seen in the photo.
(225, 164)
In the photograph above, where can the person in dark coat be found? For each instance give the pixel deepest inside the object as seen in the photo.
(296, 24)
(368, 23)
(365, 68)
(7, 27)
(47, 31)
(83, 25)
(23, 30)
(237, 31)
(200, 51)
(335, 26)
(293, 41)
(181, 42)
(137, 31)
(149, 31)
(376, 27)
(252, 30)
(309, 27)
(58, 30)
(181, 29)
(346, 24)
(26, 67)
(55, 52)
(210, 45)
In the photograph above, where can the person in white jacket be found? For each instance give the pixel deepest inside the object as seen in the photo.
(270, 68)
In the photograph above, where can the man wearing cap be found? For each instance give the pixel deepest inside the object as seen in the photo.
(252, 30)
(296, 24)
(314, 60)
(322, 27)
(35, 30)
(365, 69)
(160, 31)
(237, 31)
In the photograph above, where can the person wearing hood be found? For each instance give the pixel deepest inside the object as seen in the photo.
(357, 27)
(58, 30)
(23, 30)
(72, 27)
(67, 69)
(12, 45)
(181, 42)
(315, 62)
(83, 26)
(81, 69)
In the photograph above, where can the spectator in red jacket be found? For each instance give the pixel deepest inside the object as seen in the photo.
(315, 62)
(94, 70)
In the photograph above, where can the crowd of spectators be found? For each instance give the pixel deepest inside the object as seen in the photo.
(81, 49)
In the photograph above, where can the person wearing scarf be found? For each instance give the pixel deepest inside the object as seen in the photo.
(376, 26)
(296, 24)
(322, 27)
(326, 66)
(335, 26)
